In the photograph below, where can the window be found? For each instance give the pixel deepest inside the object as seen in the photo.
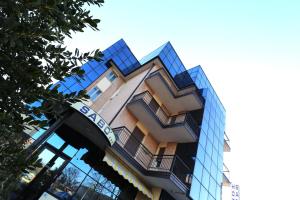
(94, 93)
(111, 76)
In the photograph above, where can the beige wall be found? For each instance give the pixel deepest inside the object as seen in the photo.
(148, 140)
(114, 105)
(107, 95)
(170, 148)
(150, 143)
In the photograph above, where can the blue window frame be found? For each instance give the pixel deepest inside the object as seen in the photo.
(94, 93)
(111, 76)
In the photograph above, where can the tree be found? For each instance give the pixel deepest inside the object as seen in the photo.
(32, 55)
(69, 178)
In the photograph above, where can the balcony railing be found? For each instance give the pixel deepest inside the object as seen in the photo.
(226, 137)
(142, 155)
(150, 162)
(166, 120)
(227, 147)
(226, 175)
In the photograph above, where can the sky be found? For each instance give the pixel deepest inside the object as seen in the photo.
(250, 51)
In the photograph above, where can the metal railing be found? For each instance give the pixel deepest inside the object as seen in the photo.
(149, 161)
(226, 143)
(166, 120)
(226, 137)
(142, 155)
(226, 171)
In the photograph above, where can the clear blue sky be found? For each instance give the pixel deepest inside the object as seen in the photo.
(250, 51)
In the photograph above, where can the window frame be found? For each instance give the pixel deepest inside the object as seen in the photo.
(93, 94)
(111, 76)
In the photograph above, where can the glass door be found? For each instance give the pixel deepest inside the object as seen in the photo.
(51, 159)
(49, 164)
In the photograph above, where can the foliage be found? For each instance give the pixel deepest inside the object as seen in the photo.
(32, 55)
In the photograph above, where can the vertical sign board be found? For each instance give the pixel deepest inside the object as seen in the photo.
(96, 119)
(235, 190)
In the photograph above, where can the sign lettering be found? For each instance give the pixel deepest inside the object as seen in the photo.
(96, 119)
(235, 190)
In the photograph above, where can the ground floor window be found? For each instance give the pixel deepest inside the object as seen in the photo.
(79, 181)
(69, 170)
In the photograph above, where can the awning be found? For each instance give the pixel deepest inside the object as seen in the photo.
(96, 119)
(123, 171)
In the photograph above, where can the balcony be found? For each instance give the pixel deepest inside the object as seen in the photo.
(226, 143)
(166, 171)
(226, 177)
(174, 99)
(179, 128)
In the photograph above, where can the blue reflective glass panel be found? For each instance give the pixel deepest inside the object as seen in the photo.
(55, 141)
(195, 188)
(78, 162)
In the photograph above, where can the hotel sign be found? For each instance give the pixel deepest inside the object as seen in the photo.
(235, 190)
(96, 119)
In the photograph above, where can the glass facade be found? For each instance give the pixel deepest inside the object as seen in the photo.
(209, 159)
(67, 171)
(79, 179)
(207, 174)
(119, 53)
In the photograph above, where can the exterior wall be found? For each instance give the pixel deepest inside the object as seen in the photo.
(150, 143)
(107, 95)
(114, 105)
(171, 148)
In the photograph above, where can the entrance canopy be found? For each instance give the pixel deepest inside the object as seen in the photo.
(91, 125)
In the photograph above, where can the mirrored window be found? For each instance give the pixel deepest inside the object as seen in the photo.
(67, 183)
(78, 162)
(55, 141)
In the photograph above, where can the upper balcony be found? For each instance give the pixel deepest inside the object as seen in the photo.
(226, 178)
(226, 143)
(165, 171)
(174, 99)
(179, 128)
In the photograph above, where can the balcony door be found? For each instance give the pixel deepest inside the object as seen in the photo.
(160, 156)
(153, 105)
(134, 141)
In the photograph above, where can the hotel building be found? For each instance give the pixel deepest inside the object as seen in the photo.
(151, 130)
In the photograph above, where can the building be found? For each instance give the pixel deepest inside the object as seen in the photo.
(151, 130)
